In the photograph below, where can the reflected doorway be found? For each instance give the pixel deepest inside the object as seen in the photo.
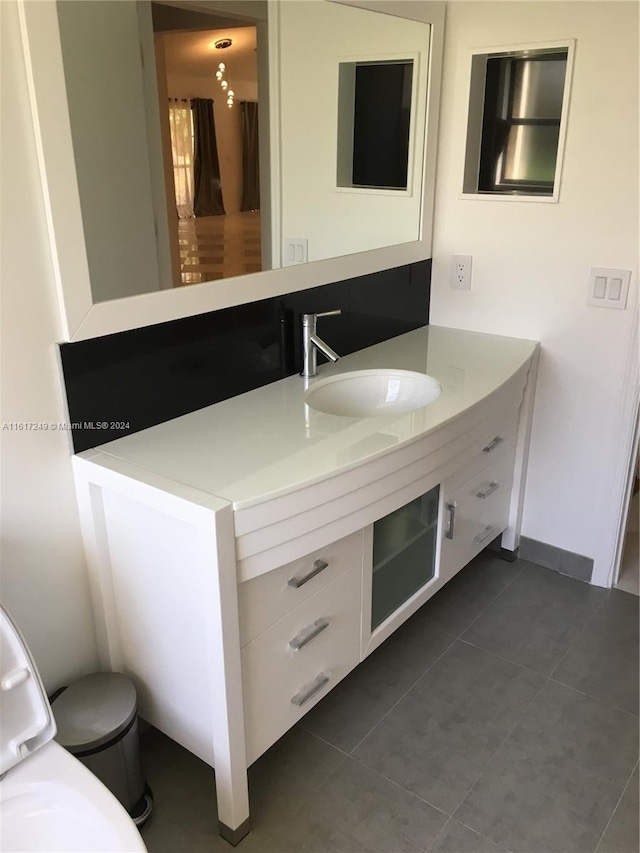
(207, 72)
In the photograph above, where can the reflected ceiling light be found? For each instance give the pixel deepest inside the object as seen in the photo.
(223, 43)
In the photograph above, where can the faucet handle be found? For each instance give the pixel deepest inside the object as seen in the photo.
(309, 320)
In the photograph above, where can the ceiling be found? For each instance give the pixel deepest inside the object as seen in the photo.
(189, 38)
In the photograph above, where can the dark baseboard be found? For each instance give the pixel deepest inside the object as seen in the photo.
(551, 557)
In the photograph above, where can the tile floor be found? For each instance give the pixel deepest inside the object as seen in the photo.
(503, 716)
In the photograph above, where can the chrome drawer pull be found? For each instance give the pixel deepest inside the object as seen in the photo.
(484, 535)
(307, 634)
(308, 692)
(318, 566)
(493, 444)
(451, 509)
(484, 493)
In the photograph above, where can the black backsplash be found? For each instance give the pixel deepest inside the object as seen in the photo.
(153, 374)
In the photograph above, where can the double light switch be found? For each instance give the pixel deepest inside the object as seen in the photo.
(608, 288)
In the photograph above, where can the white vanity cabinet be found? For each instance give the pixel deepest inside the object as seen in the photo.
(234, 552)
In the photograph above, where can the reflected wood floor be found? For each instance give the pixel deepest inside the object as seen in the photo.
(216, 247)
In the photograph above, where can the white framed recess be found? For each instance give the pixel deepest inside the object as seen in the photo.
(82, 317)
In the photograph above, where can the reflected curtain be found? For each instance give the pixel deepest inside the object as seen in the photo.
(182, 155)
(207, 189)
(250, 160)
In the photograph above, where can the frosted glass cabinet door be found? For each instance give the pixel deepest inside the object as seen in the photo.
(404, 554)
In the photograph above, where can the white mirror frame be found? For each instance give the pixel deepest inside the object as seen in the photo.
(81, 318)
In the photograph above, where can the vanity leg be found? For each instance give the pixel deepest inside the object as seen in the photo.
(234, 836)
(509, 556)
(220, 592)
(510, 540)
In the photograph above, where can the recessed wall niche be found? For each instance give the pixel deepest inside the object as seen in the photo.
(374, 119)
(518, 107)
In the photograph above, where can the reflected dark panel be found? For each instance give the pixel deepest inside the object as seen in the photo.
(382, 113)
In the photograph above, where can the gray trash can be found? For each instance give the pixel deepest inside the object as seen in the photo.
(97, 721)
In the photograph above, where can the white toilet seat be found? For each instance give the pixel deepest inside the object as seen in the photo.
(51, 802)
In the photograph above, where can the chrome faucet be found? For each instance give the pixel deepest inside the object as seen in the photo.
(311, 343)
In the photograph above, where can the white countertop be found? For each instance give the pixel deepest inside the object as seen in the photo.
(267, 442)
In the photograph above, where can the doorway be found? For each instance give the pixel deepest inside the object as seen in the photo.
(626, 571)
(207, 69)
(628, 578)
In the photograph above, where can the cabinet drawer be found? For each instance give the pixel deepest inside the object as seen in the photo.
(267, 598)
(281, 683)
(493, 441)
(475, 513)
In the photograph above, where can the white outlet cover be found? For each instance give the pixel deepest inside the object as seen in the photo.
(461, 272)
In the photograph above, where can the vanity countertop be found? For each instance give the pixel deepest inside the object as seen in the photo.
(267, 442)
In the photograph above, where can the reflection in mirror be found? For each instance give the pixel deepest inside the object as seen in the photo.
(374, 153)
(207, 68)
(334, 216)
(181, 182)
(159, 144)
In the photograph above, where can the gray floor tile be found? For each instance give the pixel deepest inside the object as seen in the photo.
(185, 814)
(460, 601)
(357, 810)
(591, 734)
(603, 660)
(286, 776)
(554, 783)
(456, 838)
(535, 619)
(623, 833)
(437, 740)
(550, 787)
(351, 710)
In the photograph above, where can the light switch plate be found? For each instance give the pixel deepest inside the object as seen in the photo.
(295, 250)
(608, 288)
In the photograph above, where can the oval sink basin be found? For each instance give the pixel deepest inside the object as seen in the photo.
(371, 393)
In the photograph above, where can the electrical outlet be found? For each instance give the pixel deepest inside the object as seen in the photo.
(461, 272)
(453, 379)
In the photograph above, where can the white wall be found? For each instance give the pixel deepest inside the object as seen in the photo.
(44, 583)
(531, 261)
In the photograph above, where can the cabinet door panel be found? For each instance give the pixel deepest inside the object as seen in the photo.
(474, 514)
(404, 554)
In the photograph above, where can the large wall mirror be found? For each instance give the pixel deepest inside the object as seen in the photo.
(205, 153)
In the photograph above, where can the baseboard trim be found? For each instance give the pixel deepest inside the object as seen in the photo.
(550, 557)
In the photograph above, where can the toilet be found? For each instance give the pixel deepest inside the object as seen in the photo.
(48, 800)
